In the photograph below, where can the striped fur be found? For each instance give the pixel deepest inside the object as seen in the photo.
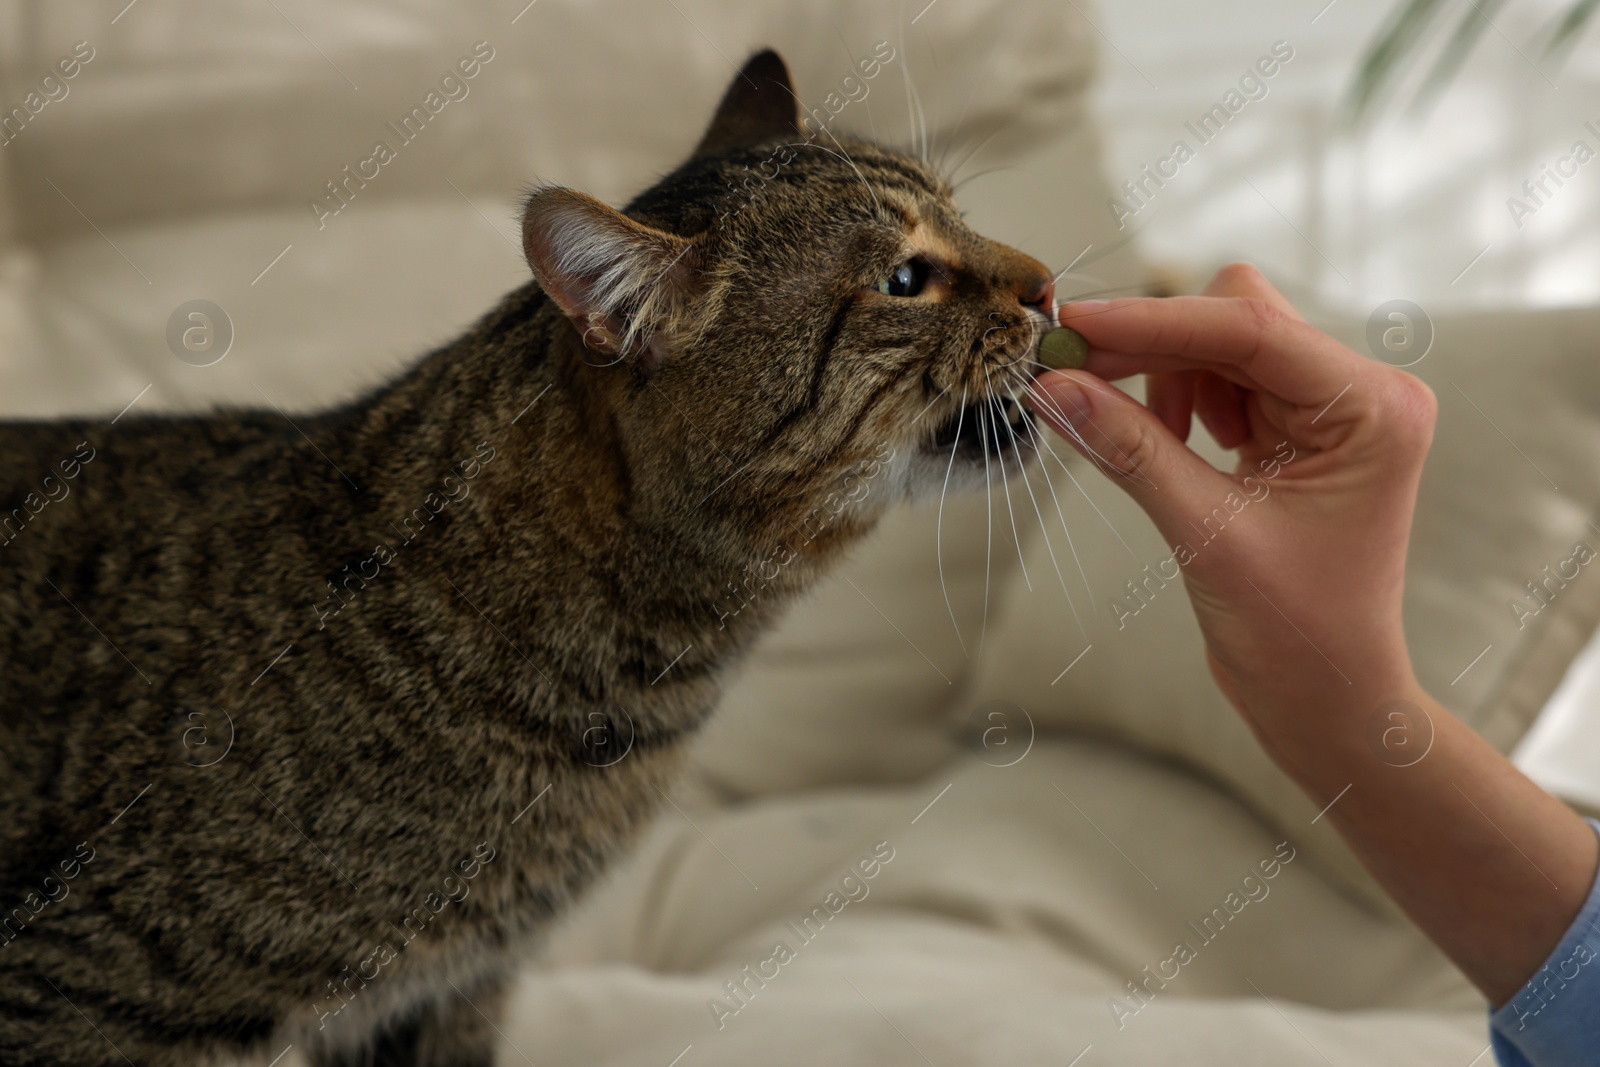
(345, 710)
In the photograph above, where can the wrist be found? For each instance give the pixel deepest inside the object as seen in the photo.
(1377, 721)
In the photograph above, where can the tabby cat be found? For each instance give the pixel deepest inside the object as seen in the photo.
(311, 725)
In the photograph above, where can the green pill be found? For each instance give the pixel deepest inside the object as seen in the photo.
(1062, 348)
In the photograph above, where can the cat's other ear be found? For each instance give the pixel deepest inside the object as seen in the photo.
(758, 106)
(623, 285)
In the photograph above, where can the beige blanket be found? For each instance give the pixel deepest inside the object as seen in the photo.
(1083, 902)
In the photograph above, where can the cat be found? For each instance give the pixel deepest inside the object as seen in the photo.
(313, 723)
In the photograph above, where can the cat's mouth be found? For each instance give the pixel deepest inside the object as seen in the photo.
(998, 425)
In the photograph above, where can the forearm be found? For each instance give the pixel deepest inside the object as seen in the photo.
(1489, 865)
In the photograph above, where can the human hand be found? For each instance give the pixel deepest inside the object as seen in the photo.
(1294, 563)
(1294, 560)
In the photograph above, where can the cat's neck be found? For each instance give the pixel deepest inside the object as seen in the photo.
(580, 544)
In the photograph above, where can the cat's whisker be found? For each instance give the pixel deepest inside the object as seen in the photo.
(1068, 272)
(1005, 480)
(1093, 294)
(1049, 403)
(1044, 532)
(905, 78)
(1042, 446)
(975, 149)
(865, 184)
(922, 121)
(955, 131)
(1065, 469)
(940, 396)
(956, 188)
(922, 117)
(933, 55)
(1028, 389)
(848, 158)
(800, 105)
(1105, 251)
(988, 527)
(851, 160)
(916, 118)
(1042, 443)
(938, 526)
(873, 126)
(1072, 432)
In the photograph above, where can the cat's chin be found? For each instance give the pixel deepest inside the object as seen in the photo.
(978, 446)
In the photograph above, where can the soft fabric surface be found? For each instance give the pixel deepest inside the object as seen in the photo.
(1025, 897)
(1015, 909)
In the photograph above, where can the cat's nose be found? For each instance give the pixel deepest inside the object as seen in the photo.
(1038, 292)
(1030, 280)
(1023, 277)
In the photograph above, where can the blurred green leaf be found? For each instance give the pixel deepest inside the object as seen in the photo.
(1455, 52)
(1571, 24)
(1382, 60)
(1413, 24)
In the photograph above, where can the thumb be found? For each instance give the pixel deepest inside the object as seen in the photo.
(1131, 446)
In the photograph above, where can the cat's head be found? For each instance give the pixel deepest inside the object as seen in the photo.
(786, 312)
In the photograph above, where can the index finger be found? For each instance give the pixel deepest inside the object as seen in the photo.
(1245, 340)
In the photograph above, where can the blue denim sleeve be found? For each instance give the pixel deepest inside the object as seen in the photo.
(1554, 1020)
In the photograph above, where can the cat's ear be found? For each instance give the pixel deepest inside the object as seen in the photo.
(758, 106)
(623, 285)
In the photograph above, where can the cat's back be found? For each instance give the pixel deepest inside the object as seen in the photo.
(122, 546)
(94, 507)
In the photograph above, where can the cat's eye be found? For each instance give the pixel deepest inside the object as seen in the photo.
(905, 280)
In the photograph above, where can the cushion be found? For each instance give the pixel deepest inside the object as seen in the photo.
(207, 108)
(1562, 751)
(1015, 908)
